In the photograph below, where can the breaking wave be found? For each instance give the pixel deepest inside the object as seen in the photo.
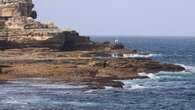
(131, 85)
(137, 86)
(161, 79)
(188, 68)
(149, 75)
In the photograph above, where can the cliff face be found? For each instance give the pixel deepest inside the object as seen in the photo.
(10, 8)
(18, 27)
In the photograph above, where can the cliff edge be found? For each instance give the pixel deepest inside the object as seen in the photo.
(18, 28)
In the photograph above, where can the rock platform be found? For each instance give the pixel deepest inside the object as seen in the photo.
(76, 67)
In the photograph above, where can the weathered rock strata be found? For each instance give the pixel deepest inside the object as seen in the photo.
(72, 67)
(18, 27)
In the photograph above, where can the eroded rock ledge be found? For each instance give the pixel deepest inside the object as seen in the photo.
(76, 66)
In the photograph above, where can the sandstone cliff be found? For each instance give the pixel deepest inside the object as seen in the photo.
(19, 28)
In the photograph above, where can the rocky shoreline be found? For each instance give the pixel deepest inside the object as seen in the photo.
(80, 67)
(32, 49)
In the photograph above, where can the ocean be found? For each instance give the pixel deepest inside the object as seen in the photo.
(161, 91)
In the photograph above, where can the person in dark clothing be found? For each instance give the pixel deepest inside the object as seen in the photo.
(105, 64)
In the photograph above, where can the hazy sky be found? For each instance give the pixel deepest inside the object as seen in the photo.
(121, 17)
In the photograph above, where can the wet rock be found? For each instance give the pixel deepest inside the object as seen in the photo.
(110, 83)
(102, 83)
(172, 67)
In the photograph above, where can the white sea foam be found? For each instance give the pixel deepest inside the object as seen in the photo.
(190, 69)
(57, 86)
(12, 101)
(89, 91)
(82, 104)
(140, 55)
(108, 87)
(132, 85)
(137, 86)
(115, 55)
(154, 80)
(149, 75)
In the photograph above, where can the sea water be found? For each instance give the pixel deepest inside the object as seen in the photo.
(161, 91)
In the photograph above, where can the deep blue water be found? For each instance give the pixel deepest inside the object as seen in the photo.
(164, 91)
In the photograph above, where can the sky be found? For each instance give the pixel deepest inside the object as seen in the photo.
(121, 17)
